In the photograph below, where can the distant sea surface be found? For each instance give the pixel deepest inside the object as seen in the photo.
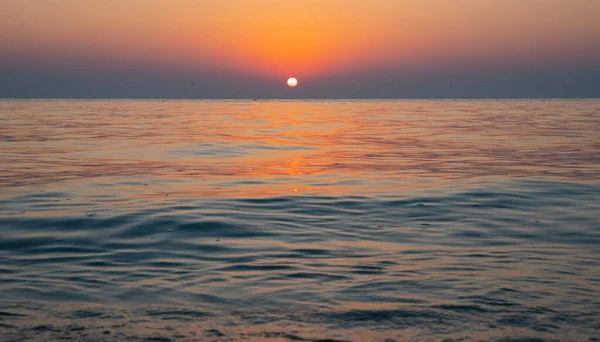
(126, 220)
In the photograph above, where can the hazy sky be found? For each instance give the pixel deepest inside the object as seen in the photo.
(336, 48)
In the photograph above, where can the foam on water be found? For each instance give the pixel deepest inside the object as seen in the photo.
(302, 221)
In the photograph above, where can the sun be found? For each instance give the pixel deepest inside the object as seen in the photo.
(292, 82)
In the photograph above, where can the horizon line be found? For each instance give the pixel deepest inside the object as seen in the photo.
(297, 99)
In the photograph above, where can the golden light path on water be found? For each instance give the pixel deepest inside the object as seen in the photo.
(325, 148)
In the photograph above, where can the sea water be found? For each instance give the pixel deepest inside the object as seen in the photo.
(130, 220)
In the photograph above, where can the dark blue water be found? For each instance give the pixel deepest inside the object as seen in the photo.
(300, 221)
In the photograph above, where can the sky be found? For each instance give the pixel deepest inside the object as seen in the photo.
(335, 48)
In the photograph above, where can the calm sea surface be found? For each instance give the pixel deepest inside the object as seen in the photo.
(300, 221)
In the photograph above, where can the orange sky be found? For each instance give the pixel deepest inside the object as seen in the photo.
(301, 37)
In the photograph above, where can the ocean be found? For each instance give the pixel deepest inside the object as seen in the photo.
(395, 220)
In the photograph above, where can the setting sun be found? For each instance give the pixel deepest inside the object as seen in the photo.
(292, 82)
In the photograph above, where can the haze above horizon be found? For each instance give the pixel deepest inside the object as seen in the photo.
(337, 49)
